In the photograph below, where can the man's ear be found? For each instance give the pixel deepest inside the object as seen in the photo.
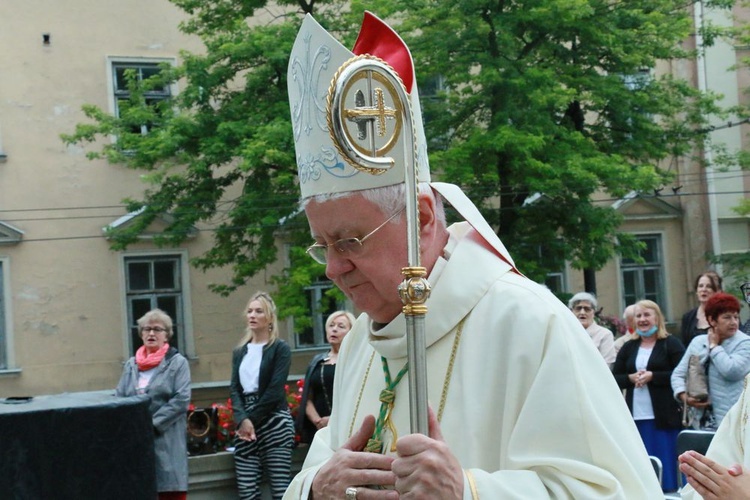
(427, 215)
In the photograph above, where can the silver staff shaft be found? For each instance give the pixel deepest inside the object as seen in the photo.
(414, 291)
(367, 99)
(417, 351)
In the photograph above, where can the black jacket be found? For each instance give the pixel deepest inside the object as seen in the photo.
(274, 370)
(664, 358)
(305, 428)
(689, 327)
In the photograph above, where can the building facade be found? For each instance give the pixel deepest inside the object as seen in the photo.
(685, 223)
(68, 303)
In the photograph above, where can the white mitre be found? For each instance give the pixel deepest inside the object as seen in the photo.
(339, 114)
(369, 108)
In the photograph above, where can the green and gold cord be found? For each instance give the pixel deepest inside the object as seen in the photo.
(387, 400)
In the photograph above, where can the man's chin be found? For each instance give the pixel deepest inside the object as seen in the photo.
(378, 313)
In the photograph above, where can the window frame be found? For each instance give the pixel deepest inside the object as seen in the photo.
(317, 288)
(114, 61)
(7, 356)
(659, 265)
(185, 337)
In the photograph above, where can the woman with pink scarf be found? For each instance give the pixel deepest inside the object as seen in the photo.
(160, 372)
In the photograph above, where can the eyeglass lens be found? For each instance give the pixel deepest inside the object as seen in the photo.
(345, 246)
(156, 329)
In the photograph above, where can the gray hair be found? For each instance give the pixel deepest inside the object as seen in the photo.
(583, 297)
(156, 316)
(389, 199)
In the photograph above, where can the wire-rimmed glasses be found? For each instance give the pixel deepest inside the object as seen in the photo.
(344, 246)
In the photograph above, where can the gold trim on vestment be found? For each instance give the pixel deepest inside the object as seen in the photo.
(472, 484)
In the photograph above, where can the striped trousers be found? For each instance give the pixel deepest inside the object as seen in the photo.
(271, 453)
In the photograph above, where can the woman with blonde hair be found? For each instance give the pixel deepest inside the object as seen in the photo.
(265, 430)
(317, 396)
(643, 368)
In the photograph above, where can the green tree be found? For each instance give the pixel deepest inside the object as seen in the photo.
(558, 99)
(221, 151)
(539, 97)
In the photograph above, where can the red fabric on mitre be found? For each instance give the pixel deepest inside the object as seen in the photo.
(378, 39)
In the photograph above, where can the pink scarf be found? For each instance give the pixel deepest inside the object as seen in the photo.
(147, 361)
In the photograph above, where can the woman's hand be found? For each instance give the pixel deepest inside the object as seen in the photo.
(695, 403)
(246, 431)
(322, 422)
(641, 378)
(713, 339)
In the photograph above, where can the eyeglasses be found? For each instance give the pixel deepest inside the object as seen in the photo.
(157, 329)
(344, 246)
(583, 308)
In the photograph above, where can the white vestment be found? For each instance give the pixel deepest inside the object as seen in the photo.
(531, 410)
(731, 443)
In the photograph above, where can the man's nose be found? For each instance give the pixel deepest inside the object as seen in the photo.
(337, 264)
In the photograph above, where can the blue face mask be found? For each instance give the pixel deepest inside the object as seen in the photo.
(648, 332)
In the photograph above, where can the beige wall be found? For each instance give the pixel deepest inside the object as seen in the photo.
(65, 300)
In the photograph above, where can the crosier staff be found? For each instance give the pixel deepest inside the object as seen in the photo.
(375, 133)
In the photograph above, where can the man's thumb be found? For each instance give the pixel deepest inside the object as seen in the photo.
(359, 439)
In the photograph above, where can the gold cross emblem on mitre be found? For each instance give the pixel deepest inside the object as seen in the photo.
(366, 113)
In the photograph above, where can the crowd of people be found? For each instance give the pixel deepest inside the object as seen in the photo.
(651, 366)
(647, 363)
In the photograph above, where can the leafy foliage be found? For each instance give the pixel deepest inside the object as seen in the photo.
(555, 100)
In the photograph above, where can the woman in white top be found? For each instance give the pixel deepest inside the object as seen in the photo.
(265, 430)
(643, 368)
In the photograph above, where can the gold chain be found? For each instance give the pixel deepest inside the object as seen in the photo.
(446, 382)
(449, 369)
(361, 390)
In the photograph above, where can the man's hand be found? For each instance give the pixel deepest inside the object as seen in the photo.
(350, 466)
(426, 467)
(713, 481)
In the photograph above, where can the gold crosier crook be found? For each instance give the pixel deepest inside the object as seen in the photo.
(369, 115)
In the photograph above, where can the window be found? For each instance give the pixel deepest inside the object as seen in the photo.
(151, 282)
(644, 279)
(3, 324)
(638, 80)
(320, 308)
(555, 282)
(141, 71)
